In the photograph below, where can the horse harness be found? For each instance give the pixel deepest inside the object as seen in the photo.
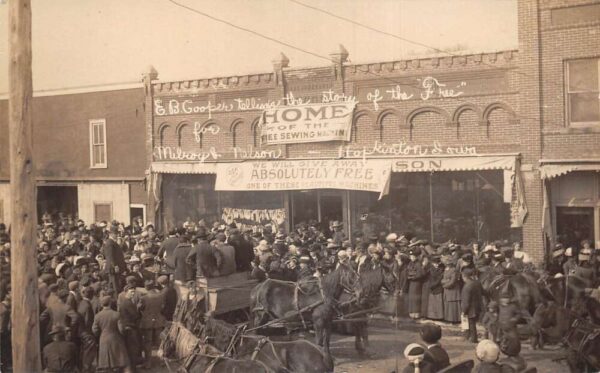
(259, 346)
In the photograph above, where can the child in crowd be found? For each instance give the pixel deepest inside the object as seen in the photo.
(431, 335)
(490, 321)
(417, 363)
(513, 362)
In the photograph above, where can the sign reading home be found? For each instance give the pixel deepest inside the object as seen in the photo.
(307, 123)
(352, 174)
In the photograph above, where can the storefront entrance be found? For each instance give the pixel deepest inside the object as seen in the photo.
(323, 206)
(574, 224)
(576, 202)
(57, 199)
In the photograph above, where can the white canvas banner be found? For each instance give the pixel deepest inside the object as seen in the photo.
(307, 123)
(355, 174)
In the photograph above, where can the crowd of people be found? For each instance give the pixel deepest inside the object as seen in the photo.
(107, 290)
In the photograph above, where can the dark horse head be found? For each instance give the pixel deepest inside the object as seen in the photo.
(343, 279)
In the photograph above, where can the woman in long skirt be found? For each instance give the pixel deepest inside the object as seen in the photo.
(414, 275)
(451, 285)
(435, 309)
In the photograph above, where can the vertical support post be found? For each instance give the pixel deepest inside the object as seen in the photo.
(476, 185)
(349, 211)
(25, 300)
(431, 206)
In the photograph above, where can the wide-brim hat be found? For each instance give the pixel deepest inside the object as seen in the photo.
(337, 224)
(333, 246)
(304, 259)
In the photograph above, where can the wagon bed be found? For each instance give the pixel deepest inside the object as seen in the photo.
(225, 294)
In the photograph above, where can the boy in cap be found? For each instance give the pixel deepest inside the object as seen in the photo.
(59, 355)
(513, 362)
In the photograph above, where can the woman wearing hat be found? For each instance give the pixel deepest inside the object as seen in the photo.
(570, 263)
(585, 269)
(435, 308)
(451, 294)
(415, 275)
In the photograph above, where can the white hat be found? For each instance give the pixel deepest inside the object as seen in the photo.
(342, 254)
(391, 237)
(414, 351)
(58, 268)
(487, 351)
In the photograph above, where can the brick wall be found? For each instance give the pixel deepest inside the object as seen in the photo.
(485, 117)
(567, 33)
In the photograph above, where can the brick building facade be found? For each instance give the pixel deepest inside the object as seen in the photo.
(446, 126)
(568, 38)
(88, 150)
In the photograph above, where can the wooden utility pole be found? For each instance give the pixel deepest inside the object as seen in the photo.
(24, 277)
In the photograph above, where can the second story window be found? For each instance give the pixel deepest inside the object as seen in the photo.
(98, 143)
(583, 92)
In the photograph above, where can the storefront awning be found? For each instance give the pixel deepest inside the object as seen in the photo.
(551, 169)
(183, 168)
(458, 163)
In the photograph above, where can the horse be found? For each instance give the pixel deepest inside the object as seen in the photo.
(315, 300)
(280, 356)
(372, 278)
(524, 287)
(181, 344)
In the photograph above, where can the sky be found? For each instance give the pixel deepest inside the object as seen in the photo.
(80, 43)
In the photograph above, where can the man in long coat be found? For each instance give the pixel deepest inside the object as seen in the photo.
(112, 351)
(471, 296)
(115, 260)
(129, 318)
(152, 321)
(88, 342)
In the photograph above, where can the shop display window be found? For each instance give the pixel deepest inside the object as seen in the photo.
(438, 206)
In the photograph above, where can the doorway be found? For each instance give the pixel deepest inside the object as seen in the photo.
(57, 199)
(574, 224)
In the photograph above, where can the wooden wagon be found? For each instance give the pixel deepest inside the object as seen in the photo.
(227, 294)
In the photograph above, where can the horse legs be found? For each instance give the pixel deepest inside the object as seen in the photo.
(358, 342)
(326, 337)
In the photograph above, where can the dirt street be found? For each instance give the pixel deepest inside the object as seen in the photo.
(388, 343)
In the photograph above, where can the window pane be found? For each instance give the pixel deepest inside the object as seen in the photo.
(100, 134)
(96, 134)
(583, 75)
(585, 107)
(102, 211)
(95, 153)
